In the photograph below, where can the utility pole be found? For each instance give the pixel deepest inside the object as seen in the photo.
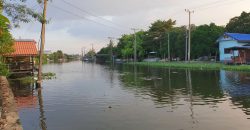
(186, 45)
(189, 32)
(111, 48)
(44, 21)
(168, 48)
(83, 53)
(135, 43)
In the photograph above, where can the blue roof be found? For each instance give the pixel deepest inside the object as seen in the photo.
(239, 37)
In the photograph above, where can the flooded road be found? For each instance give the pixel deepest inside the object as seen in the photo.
(87, 96)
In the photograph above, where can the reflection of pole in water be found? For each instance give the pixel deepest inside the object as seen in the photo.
(190, 88)
(111, 76)
(169, 79)
(135, 75)
(42, 113)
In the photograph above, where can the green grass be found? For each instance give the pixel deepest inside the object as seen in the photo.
(196, 65)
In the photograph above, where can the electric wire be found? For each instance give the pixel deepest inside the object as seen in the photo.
(91, 14)
(82, 17)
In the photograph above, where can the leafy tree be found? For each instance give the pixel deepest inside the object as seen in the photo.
(6, 41)
(18, 12)
(91, 53)
(239, 24)
(55, 56)
(156, 37)
(204, 38)
(177, 42)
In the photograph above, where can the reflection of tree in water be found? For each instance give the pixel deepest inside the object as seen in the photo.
(168, 86)
(26, 97)
(41, 109)
(236, 84)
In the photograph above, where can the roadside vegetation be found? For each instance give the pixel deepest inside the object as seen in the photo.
(195, 65)
(155, 39)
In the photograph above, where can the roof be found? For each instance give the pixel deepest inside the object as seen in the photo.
(238, 48)
(24, 48)
(239, 37)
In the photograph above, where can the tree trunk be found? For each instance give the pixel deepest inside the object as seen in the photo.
(42, 43)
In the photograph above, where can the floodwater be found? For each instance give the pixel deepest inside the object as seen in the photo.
(87, 96)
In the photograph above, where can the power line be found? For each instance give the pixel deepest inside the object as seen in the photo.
(207, 6)
(89, 13)
(71, 13)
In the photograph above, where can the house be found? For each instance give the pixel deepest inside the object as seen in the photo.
(234, 48)
(21, 61)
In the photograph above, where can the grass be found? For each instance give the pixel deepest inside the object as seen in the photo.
(196, 65)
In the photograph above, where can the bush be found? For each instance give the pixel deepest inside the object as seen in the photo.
(4, 71)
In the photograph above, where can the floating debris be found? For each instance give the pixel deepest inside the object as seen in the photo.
(147, 79)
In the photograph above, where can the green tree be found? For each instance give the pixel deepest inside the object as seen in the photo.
(18, 12)
(156, 37)
(204, 40)
(239, 24)
(6, 41)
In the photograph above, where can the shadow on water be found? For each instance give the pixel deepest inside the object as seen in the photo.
(29, 95)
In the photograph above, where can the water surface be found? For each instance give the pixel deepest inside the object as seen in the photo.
(87, 96)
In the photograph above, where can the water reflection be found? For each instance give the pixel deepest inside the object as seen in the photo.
(28, 95)
(167, 86)
(237, 86)
(91, 96)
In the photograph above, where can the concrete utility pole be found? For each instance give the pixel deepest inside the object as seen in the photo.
(168, 48)
(186, 46)
(111, 44)
(135, 43)
(83, 52)
(189, 32)
(42, 43)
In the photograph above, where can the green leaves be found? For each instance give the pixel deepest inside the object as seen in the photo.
(239, 24)
(19, 12)
(6, 40)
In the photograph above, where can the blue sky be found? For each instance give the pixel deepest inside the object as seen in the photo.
(93, 21)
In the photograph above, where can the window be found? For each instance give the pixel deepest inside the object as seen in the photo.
(227, 51)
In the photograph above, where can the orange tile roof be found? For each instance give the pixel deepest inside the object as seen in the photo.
(24, 48)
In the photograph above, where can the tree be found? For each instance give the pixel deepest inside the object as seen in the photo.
(18, 12)
(204, 38)
(239, 24)
(6, 40)
(155, 38)
(6, 43)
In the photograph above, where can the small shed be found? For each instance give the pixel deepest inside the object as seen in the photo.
(21, 61)
(234, 47)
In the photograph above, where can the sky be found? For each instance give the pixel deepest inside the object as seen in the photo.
(77, 24)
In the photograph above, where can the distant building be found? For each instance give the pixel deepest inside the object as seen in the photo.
(22, 59)
(234, 48)
(47, 52)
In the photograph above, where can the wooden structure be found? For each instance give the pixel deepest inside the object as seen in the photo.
(21, 61)
(243, 56)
